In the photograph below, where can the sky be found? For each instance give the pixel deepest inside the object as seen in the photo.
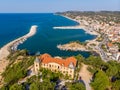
(42, 6)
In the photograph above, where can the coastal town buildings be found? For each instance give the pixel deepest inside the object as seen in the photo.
(65, 66)
(107, 25)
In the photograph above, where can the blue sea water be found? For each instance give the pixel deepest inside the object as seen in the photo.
(46, 39)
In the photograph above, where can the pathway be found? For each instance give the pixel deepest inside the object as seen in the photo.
(86, 76)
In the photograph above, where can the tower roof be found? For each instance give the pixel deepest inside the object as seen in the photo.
(37, 60)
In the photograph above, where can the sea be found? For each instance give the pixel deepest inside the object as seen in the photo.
(15, 25)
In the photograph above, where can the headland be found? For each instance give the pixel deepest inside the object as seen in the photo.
(74, 46)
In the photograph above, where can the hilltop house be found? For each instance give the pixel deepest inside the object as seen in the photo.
(65, 66)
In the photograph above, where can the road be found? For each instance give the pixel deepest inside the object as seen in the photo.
(101, 51)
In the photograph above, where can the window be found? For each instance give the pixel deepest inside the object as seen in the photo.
(70, 75)
(70, 71)
(49, 65)
(58, 67)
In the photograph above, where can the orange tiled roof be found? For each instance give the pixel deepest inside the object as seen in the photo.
(46, 58)
(109, 44)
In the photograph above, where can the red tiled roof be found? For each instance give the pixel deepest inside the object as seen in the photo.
(46, 58)
(109, 44)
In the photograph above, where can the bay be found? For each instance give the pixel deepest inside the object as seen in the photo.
(46, 39)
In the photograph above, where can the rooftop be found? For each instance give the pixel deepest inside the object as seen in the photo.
(46, 58)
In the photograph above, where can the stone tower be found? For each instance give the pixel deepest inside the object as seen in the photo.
(37, 65)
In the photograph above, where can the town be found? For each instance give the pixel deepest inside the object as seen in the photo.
(107, 26)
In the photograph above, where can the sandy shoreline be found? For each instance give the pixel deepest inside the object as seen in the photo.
(5, 50)
(85, 28)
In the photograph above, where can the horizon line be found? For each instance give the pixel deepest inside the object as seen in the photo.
(67, 11)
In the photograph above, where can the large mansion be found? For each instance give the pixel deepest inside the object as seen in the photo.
(65, 66)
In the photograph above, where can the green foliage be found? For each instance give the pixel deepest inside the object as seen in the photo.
(117, 43)
(46, 85)
(116, 85)
(80, 58)
(17, 87)
(104, 47)
(92, 70)
(75, 86)
(101, 81)
(18, 68)
(95, 61)
(4, 88)
(34, 86)
(102, 16)
(12, 74)
(51, 76)
(13, 55)
(113, 68)
(77, 41)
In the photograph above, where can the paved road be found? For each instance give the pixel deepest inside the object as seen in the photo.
(102, 52)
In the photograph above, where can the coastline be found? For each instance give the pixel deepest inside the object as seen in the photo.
(86, 28)
(72, 46)
(83, 26)
(5, 50)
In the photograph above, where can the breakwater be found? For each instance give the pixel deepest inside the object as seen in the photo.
(5, 50)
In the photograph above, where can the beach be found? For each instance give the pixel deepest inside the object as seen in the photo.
(5, 50)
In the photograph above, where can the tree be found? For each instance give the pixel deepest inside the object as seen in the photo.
(17, 87)
(75, 86)
(116, 85)
(12, 74)
(101, 81)
(111, 71)
(113, 68)
(80, 58)
(95, 61)
(47, 85)
(4, 88)
(34, 86)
